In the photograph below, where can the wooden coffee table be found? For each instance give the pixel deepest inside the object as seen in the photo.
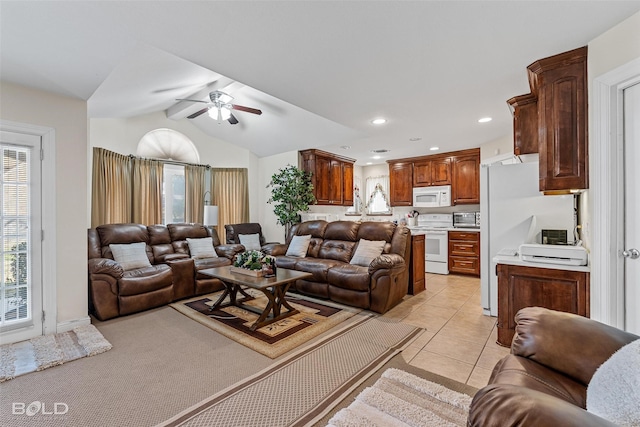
(274, 288)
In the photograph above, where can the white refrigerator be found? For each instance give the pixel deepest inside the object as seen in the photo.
(513, 211)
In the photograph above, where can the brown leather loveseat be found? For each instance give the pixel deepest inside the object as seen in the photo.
(543, 382)
(170, 275)
(377, 286)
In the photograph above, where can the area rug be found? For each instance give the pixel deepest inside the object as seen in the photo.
(273, 340)
(399, 398)
(46, 351)
(305, 385)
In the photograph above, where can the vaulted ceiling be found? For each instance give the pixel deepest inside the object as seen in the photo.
(319, 70)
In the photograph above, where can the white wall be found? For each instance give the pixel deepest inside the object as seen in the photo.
(497, 147)
(68, 117)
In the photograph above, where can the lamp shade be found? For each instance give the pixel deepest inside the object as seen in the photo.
(210, 215)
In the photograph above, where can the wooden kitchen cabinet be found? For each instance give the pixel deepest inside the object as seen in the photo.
(465, 188)
(520, 286)
(525, 123)
(331, 176)
(400, 184)
(464, 252)
(417, 281)
(436, 171)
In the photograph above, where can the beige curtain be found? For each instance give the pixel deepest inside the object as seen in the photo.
(110, 188)
(194, 193)
(230, 191)
(147, 190)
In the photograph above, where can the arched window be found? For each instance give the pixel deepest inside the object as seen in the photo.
(168, 144)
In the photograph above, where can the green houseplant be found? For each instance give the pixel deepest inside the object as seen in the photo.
(291, 193)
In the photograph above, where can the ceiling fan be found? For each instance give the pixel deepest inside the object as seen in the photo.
(220, 107)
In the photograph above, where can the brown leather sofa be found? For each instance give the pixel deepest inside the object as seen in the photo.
(173, 274)
(543, 382)
(378, 287)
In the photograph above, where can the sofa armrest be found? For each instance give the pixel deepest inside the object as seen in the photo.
(568, 343)
(229, 250)
(105, 266)
(275, 249)
(503, 405)
(386, 261)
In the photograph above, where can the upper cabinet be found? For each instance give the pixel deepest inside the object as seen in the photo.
(552, 121)
(400, 180)
(331, 176)
(466, 179)
(460, 169)
(525, 123)
(436, 171)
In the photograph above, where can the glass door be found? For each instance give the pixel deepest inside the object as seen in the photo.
(20, 237)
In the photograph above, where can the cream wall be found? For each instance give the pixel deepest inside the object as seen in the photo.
(612, 49)
(68, 117)
(497, 147)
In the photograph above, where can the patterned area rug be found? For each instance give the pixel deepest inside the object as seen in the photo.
(302, 387)
(399, 398)
(273, 340)
(46, 351)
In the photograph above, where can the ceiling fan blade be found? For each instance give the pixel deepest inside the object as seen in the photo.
(198, 113)
(246, 109)
(191, 100)
(232, 119)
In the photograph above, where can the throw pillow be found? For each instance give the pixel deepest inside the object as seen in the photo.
(614, 389)
(298, 246)
(367, 251)
(130, 256)
(250, 241)
(202, 248)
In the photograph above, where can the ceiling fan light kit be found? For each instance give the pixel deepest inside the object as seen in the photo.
(220, 107)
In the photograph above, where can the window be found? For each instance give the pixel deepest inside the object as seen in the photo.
(173, 194)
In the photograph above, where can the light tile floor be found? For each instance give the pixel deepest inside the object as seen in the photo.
(459, 341)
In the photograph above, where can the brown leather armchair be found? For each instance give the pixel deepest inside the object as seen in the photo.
(543, 382)
(233, 232)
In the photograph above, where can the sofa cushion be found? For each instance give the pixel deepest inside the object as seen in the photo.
(371, 230)
(316, 266)
(349, 276)
(338, 250)
(130, 256)
(367, 251)
(251, 242)
(182, 231)
(144, 280)
(288, 262)
(342, 230)
(201, 248)
(299, 246)
(614, 390)
(122, 233)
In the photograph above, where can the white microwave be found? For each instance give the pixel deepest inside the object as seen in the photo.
(432, 197)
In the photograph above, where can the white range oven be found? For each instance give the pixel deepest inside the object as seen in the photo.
(436, 241)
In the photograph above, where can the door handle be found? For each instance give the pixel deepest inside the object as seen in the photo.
(631, 253)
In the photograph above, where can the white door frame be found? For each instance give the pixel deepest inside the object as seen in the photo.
(48, 206)
(607, 193)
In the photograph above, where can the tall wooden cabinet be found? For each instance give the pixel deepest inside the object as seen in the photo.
(331, 176)
(520, 286)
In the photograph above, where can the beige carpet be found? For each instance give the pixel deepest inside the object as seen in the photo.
(47, 351)
(302, 387)
(400, 399)
(273, 340)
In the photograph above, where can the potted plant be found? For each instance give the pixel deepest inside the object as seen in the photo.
(291, 193)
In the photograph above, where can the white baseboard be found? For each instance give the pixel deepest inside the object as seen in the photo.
(68, 325)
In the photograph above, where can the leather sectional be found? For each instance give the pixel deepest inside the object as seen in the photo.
(377, 287)
(172, 275)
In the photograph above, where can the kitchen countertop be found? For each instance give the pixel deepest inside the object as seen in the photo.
(419, 231)
(515, 260)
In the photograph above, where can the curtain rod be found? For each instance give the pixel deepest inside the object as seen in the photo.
(171, 162)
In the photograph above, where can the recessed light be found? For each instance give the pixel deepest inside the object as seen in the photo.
(369, 163)
(485, 120)
(379, 121)
(345, 147)
(376, 157)
(415, 139)
(380, 151)
(434, 148)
